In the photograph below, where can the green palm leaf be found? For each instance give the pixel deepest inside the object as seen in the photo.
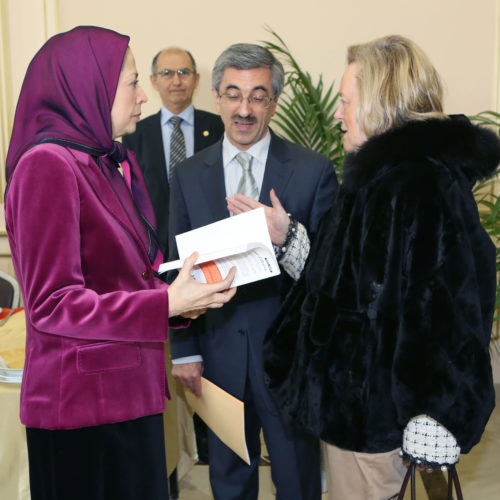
(305, 110)
(488, 202)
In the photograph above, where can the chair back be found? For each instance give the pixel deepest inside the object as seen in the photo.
(9, 291)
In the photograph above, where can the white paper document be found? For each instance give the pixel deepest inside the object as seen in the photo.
(242, 241)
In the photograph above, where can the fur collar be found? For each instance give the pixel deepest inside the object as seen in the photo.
(465, 149)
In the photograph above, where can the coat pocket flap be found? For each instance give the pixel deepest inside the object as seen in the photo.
(108, 356)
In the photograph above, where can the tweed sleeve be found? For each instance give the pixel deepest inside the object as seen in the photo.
(427, 442)
(292, 255)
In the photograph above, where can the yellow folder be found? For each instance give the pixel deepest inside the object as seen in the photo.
(223, 413)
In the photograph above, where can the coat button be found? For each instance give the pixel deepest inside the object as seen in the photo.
(145, 275)
(241, 331)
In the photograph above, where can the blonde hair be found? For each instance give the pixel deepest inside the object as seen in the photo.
(396, 83)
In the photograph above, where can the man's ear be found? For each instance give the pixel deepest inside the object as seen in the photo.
(216, 99)
(273, 105)
(153, 81)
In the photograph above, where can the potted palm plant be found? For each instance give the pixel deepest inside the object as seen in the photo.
(305, 110)
(488, 200)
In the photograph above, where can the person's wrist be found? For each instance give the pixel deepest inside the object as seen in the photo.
(286, 230)
(172, 309)
(291, 230)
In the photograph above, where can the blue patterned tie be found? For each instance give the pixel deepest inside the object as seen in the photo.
(247, 184)
(177, 145)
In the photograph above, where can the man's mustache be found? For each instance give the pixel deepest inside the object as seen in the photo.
(244, 119)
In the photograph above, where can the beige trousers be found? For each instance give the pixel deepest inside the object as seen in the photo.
(363, 476)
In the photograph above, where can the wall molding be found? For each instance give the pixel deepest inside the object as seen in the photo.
(50, 18)
(43, 25)
(497, 61)
(5, 96)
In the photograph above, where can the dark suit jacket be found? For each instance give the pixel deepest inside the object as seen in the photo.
(305, 182)
(147, 144)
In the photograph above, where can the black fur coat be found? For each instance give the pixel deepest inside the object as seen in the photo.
(392, 316)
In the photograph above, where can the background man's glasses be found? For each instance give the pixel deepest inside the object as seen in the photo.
(256, 100)
(169, 73)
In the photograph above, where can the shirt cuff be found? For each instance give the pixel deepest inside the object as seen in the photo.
(188, 359)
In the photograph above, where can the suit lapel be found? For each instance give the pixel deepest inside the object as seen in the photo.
(202, 132)
(199, 127)
(212, 182)
(277, 175)
(278, 170)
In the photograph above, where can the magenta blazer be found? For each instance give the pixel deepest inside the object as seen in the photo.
(97, 318)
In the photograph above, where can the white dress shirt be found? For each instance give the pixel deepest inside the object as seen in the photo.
(233, 170)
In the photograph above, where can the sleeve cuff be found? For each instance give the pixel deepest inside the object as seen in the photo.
(293, 254)
(428, 442)
(188, 359)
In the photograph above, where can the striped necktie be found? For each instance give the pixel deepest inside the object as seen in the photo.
(247, 184)
(177, 145)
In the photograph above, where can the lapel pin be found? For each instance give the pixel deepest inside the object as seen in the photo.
(206, 133)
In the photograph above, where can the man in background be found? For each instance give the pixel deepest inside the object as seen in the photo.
(176, 132)
(226, 345)
(163, 140)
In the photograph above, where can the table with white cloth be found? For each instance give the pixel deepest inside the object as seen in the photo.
(14, 478)
(14, 473)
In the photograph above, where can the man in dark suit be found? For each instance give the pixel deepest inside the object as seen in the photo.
(226, 344)
(174, 76)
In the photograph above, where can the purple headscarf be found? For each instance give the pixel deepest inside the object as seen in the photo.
(67, 96)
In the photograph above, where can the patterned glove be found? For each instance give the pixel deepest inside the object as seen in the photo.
(427, 442)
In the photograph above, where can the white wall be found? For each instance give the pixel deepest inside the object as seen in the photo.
(461, 36)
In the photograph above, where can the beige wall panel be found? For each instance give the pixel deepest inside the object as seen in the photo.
(460, 36)
(497, 59)
(24, 26)
(26, 32)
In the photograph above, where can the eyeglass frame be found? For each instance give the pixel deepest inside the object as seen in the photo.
(181, 73)
(270, 99)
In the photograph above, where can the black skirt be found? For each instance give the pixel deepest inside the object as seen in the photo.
(124, 461)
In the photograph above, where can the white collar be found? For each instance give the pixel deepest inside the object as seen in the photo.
(258, 150)
(187, 115)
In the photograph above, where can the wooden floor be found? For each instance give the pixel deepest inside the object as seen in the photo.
(479, 473)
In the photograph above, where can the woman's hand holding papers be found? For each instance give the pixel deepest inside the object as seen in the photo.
(276, 216)
(189, 298)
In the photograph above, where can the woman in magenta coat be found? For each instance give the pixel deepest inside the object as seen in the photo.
(84, 251)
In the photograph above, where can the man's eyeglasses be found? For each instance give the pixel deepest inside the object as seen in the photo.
(256, 100)
(169, 73)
